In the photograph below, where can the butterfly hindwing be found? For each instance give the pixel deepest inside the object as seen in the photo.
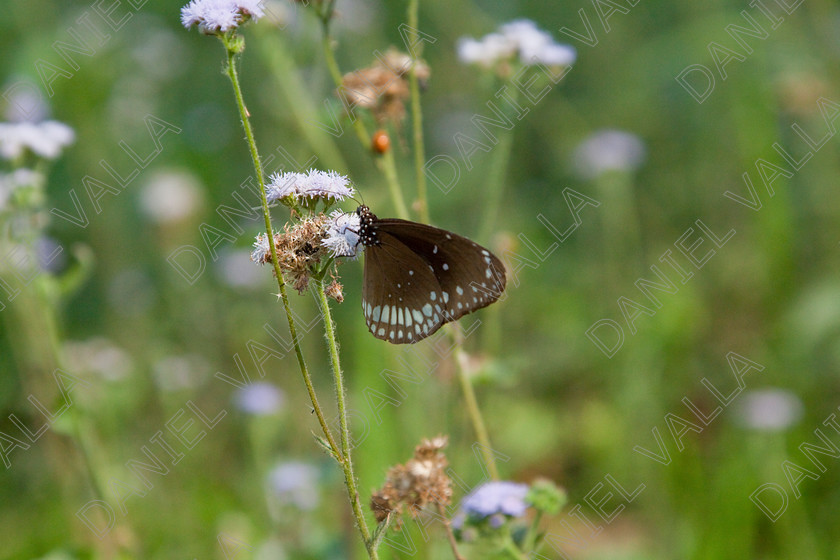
(470, 277)
(400, 293)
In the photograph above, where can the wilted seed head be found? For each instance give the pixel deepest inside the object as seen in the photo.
(383, 87)
(420, 481)
(298, 248)
(335, 291)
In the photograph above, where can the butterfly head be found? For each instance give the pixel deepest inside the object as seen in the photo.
(367, 230)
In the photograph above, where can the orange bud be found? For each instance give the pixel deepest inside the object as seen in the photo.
(381, 142)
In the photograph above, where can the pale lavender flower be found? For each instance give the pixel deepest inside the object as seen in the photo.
(25, 103)
(497, 520)
(328, 185)
(769, 409)
(260, 399)
(295, 483)
(51, 255)
(521, 37)
(498, 497)
(342, 234)
(45, 139)
(553, 54)
(282, 185)
(261, 250)
(608, 150)
(213, 16)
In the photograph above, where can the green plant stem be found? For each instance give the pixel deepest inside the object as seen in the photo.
(388, 166)
(530, 542)
(347, 463)
(252, 145)
(496, 176)
(417, 122)
(332, 66)
(34, 311)
(385, 163)
(471, 402)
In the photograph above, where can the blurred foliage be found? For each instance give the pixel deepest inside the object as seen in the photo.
(556, 406)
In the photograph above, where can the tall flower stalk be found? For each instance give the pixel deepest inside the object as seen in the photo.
(210, 20)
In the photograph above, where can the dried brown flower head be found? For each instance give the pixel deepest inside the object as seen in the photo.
(335, 291)
(420, 481)
(383, 87)
(298, 248)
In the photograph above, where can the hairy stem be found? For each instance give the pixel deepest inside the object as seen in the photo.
(347, 463)
(258, 170)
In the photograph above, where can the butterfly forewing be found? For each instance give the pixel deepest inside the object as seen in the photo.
(418, 277)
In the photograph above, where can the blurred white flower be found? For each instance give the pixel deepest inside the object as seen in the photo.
(260, 399)
(45, 139)
(170, 196)
(186, 371)
(342, 237)
(608, 150)
(295, 483)
(234, 269)
(98, 356)
(213, 16)
(485, 51)
(769, 409)
(521, 37)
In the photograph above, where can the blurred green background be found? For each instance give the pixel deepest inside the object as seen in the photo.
(148, 344)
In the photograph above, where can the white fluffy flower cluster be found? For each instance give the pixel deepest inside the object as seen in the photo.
(342, 234)
(312, 184)
(261, 250)
(213, 16)
(45, 139)
(521, 37)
